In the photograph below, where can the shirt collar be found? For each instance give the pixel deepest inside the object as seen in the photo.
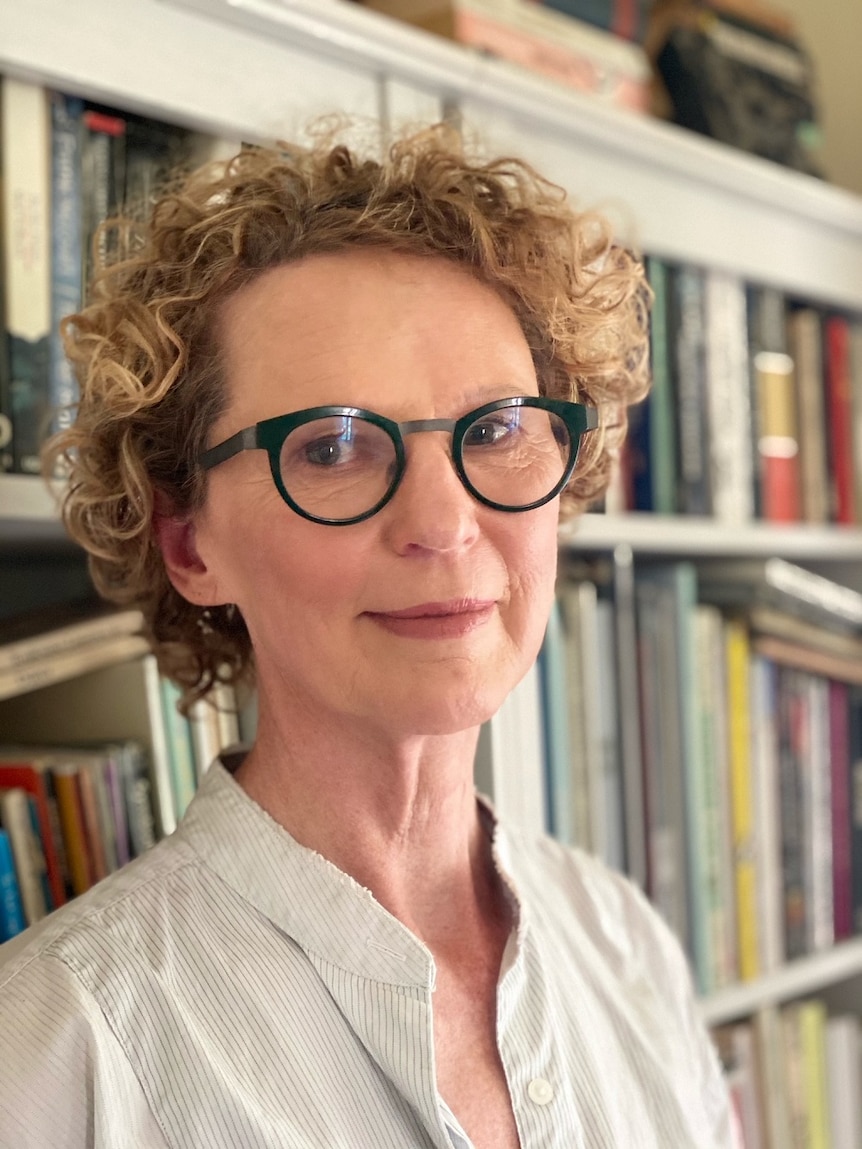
(323, 909)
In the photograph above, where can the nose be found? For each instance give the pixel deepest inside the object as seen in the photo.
(431, 512)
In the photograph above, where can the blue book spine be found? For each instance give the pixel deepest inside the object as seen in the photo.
(12, 920)
(67, 255)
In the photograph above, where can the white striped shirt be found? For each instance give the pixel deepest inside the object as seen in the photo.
(234, 990)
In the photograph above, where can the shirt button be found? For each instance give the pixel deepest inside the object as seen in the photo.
(540, 1091)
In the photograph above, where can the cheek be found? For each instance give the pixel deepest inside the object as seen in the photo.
(533, 572)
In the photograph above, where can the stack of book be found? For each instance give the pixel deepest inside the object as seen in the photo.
(592, 47)
(96, 760)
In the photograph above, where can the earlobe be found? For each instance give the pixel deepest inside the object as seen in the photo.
(185, 568)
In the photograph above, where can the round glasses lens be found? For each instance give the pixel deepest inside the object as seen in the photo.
(337, 467)
(516, 455)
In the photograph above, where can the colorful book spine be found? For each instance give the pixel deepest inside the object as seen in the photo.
(12, 920)
(27, 852)
(180, 750)
(793, 739)
(39, 784)
(738, 658)
(74, 828)
(839, 759)
(839, 407)
(67, 251)
(806, 347)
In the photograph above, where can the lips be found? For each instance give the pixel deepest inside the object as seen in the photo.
(450, 619)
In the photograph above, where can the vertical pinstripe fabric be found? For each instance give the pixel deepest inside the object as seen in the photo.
(234, 990)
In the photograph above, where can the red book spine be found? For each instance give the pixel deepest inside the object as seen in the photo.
(839, 747)
(840, 418)
(15, 774)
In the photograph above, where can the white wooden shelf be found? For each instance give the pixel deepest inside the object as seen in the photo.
(258, 69)
(682, 535)
(800, 978)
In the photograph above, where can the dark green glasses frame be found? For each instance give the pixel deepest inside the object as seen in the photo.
(269, 435)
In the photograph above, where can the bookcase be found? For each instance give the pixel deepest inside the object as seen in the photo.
(258, 69)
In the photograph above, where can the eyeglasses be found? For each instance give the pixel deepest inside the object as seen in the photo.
(340, 465)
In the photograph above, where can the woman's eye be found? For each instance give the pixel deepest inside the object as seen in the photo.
(488, 432)
(326, 452)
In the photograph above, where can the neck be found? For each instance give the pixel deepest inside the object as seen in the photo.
(399, 816)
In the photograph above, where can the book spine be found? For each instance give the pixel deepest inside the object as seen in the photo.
(806, 342)
(180, 750)
(793, 733)
(70, 664)
(737, 655)
(554, 680)
(812, 1021)
(625, 18)
(854, 717)
(817, 803)
(690, 386)
(27, 853)
(102, 178)
(67, 252)
(26, 144)
(92, 829)
(137, 796)
(635, 814)
(73, 827)
(774, 389)
(68, 638)
(160, 761)
(114, 787)
(662, 424)
(728, 398)
(12, 920)
(839, 758)
(765, 760)
(839, 401)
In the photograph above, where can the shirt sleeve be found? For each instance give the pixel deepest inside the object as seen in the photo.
(64, 1079)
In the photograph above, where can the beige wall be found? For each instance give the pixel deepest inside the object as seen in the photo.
(832, 32)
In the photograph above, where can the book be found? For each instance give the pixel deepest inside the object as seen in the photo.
(70, 663)
(102, 182)
(779, 624)
(728, 397)
(742, 785)
(805, 336)
(709, 786)
(206, 734)
(839, 419)
(539, 39)
(773, 1077)
(160, 755)
(180, 748)
(623, 597)
(768, 862)
(812, 1023)
(25, 138)
(626, 18)
(817, 820)
(613, 849)
(27, 852)
(12, 920)
(59, 629)
(688, 364)
(33, 777)
(662, 596)
(840, 792)
(136, 785)
(556, 711)
(73, 826)
(774, 401)
(855, 371)
(844, 1066)
(819, 662)
(854, 735)
(735, 1044)
(662, 405)
(793, 723)
(67, 247)
(784, 585)
(578, 605)
(510, 758)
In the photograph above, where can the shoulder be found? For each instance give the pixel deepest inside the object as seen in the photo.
(571, 894)
(141, 890)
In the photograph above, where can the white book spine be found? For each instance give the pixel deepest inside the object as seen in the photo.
(160, 760)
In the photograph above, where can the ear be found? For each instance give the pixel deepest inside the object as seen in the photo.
(189, 574)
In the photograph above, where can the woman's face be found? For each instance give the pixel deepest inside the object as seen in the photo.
(422, 618)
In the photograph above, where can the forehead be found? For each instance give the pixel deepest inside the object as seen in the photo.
(374, 329)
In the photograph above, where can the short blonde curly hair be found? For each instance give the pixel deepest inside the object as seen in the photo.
(147, 358)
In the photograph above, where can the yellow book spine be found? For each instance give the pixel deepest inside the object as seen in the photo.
(737, 654)
(812, 1019)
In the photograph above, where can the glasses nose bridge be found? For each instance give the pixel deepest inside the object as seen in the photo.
(418, 426)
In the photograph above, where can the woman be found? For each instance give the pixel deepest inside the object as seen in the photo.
(329, 407)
